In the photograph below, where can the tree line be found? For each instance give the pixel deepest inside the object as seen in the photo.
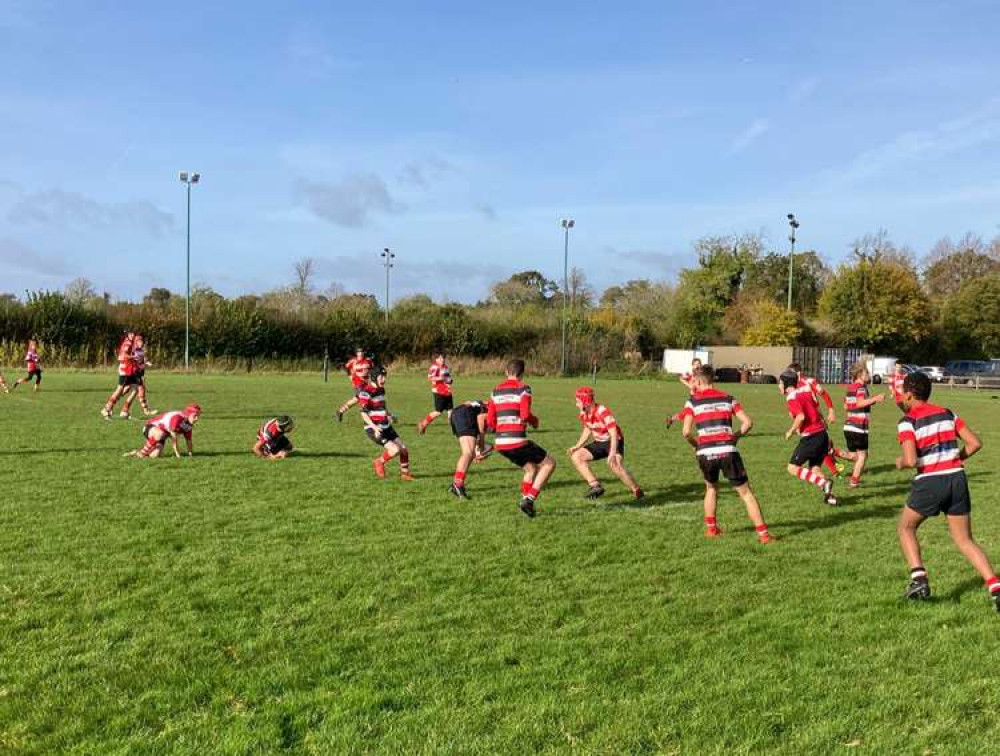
(880, 298)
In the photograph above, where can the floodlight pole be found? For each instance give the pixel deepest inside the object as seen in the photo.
(567, 224)
(793, 224)
(387, 257)
(188, 178)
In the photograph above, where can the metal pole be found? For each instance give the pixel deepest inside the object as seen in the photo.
(388, 264)
(565, 291)
(187, 303)
(791, 258)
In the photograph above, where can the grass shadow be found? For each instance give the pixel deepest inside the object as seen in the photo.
(837, 517)
(966, 586)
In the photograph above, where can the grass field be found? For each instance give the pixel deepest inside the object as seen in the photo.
(224, 604)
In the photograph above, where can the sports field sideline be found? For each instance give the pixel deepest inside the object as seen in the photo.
(226, 604)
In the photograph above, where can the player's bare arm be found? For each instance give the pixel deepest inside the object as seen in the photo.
(746, 423)
(687, 431)
(584, 435)
(909, 456)
(796, 425)
(971, 442)
(614, 456)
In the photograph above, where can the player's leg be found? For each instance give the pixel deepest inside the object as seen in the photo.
(404, 459)
(712, 529)
(155, 440)
(906, 529)
(112, 401)
(543, 473)
(960, 527)
(3, 384)
(625, 476)
(129, 397)
(143, 402)
(808, 474)
(860, 462)
(430, 418)
(465, 457)
(753, 512)
(581, 459)
(38, 380)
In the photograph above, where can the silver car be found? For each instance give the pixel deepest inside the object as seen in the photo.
(933, 372)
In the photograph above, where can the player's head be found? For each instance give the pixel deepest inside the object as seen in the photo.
(916, 388)
(704, 375)
(439, 356)
(285, 423)
(898, 366)
(378, 375)
(788, 381)
(794, 367)
(695, 364)
(859, 372)
(584, 397)
(140, 339)
(32, 344)
(193, 413)
(359, 352)
(515, 368)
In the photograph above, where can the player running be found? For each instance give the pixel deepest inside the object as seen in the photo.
(468, 423)
(272, 438)
(818, 393)
(708, 427)
(896, 385)
(929, 435)
(126, 374)
(359, 369)
(814, 442)
(509, 414)
(168, 425)
(608, 443)
(34, 365)
(139, 388)
(687, 379)
(378, 426)
(858, 407)
(439, 375)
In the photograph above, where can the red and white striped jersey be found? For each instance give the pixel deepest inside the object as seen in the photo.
(126, 363)
(896, 386)
(270, 431)
(935, 432)
(32, 359)
(713, 413)
(857, 417)
(801, 400)
(371, 400)
(359, 368)
(172, 422)
(815, 388)
(599, 421)
(440, 378)
(508, 412)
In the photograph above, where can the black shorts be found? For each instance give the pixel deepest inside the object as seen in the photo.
(128, 380)
(856, 441)
(601, 449)
(529, 453)
(140, 377)
(36, 374)
(147, 429)
(465, 421)
(811, 450)
(730, 465)
(387, 435)
(444, 403)
(275, 445)
(935, 494)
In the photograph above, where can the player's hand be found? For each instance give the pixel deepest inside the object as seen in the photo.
(788, 434)
(533, 422)
(878, 398)
(572, 449)
(615, 461)
(831, 417)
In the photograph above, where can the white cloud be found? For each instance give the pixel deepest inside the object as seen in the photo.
(757, 128)
(62, 209)
(351, 201)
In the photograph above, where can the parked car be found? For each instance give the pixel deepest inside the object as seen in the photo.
(968, 367)
(935, 373)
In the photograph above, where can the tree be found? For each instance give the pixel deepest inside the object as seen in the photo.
(971, 318)
(876, 304)
(949, 266)
(158, 297)
(527, 287)
(581, 294)
(878, 247)
(768, 277)
(771, 325)
(79, 291)
(305, 269)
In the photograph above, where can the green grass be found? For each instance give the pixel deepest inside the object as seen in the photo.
(224, 604)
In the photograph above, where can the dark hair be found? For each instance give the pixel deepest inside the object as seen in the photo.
(515, 368)
(794, 366)
(789, 379)
(705, 372)
(919, 385)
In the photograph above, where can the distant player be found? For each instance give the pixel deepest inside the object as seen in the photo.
(34, 365)
(509, 414)
(687, 379)
(359, 369)
(468, 423)
(708, 427)
(858, 406)
(168, 425)
(896, 385)
(3, 384)
(929, 436)
(608, 443)
(272, 438)
(814, 442)
(439, 375)
(378, 426)
(126, 374)
(139, 388)
(818, 393)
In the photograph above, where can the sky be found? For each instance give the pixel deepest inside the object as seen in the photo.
(460, 134)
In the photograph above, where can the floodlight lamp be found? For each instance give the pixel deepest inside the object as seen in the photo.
(183, 176)
(195, 177)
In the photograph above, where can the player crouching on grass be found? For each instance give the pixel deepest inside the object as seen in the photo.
(708, 427)
(378, 426)
(608, 443)
(928, 436)
(508, 412)
(272, 438)
(168, 425)
(814, 443)
(468, 423)
(858, 405)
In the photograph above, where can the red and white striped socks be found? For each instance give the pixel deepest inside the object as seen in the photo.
(809, 476)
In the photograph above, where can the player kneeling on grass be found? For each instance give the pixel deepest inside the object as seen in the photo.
(708, 427)
(378, 427)
(814, 442)
(928, 436)
(608, 443)
(468, 423)
(272, 438)
(168, 425)
(509, 414)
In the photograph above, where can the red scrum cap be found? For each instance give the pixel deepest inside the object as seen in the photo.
(585, 394)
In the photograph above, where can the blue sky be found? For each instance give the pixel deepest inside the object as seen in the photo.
(458, 134)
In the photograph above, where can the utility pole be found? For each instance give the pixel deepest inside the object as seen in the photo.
(387, 258)
(567, 224)
(188, 178)
(793, 224)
